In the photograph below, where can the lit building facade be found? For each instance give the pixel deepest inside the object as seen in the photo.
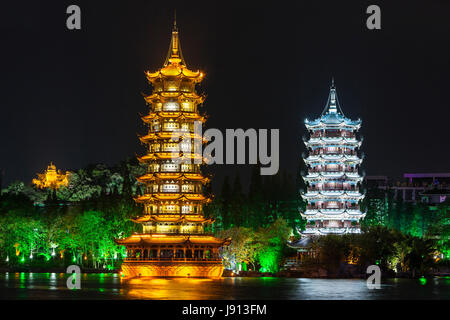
(51, 178)
(173, 242)
(431, 188)
(332, 180)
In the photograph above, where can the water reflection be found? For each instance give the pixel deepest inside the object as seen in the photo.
(165, 289)
(52, 281)
(112, 286)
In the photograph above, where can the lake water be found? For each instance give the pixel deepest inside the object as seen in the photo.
(112, 286)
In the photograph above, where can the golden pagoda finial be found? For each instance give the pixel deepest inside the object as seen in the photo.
(174, 56)
(175, 20)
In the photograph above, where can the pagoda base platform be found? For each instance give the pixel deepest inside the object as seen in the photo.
(170, 269)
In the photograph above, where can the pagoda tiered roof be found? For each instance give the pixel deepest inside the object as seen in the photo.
(325, 231)
(178, 155)
(333, 195)
(175, 70)
(175, 66)
(197, 218)
(339, 141)
(165, 196)
(329, 157)
(150, 239)
(336, 119)
(332, 115)
(179, 176)
(324, 214)
(181, 115)
(179, 95)
(338, 175)
(152, 136)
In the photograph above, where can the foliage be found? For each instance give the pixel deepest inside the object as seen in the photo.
(243, 248)
(388, 248)
(75, 224)
(263, 247)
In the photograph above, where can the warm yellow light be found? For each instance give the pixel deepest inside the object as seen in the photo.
(51, 178)
(173, 197)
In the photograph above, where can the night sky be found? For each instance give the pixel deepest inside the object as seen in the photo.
(74, 97)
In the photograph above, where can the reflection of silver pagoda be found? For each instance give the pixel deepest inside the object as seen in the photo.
(333, 181)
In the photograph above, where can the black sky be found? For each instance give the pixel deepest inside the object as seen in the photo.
(74, 97)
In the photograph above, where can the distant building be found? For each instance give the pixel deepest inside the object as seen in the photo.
(435, 195)
(51, 178)
(429, 188)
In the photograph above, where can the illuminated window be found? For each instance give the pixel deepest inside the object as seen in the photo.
(186, 209)
(169, 167)
(170, 188)
(187, 188)
(171, 106)
(187, 106)
(186, 167)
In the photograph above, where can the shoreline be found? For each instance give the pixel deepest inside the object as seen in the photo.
(55, 270)
(294, 275)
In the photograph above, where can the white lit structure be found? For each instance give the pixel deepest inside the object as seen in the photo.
(333, 181)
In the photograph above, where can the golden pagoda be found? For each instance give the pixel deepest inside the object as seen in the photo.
(173, 242)
(51, 178)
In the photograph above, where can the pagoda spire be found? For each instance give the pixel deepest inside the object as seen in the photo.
(174, 56)
(332, 105)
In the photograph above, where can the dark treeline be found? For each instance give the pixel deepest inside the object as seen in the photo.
(268, 198)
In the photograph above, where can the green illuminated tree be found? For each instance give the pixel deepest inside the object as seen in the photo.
(272, 244)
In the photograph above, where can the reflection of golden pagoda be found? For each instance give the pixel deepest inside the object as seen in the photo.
(173, 242)
(51, 178)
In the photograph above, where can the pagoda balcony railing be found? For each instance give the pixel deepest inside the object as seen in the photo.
(177, 171)
(332, 189)
(339, 170)
(328, 171)
(170, 259)
(331, 208)
(325, 170)
(324, 230)
(180, 131)
(176, 212)
(354, 210)
(175, 192)
(184, 110)
(330, 135)
(338, 135)
(176, 152)
(335, 153)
